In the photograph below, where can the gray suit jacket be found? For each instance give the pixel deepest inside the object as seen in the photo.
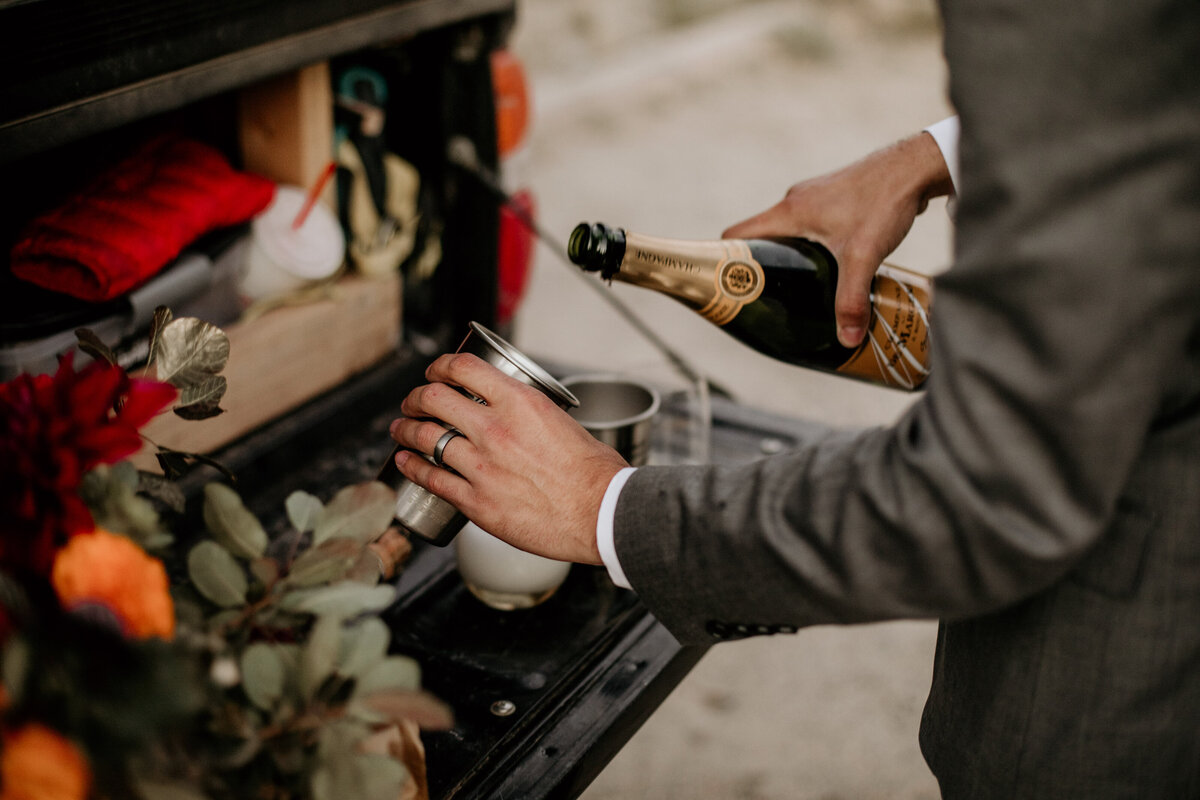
(1043, 498)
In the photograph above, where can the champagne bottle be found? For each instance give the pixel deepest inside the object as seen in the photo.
(775, 295)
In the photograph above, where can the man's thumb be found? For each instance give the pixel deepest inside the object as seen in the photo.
(852, 306)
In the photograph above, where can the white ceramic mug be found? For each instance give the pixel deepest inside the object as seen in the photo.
(502, 576)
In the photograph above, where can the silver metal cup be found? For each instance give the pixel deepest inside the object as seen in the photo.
(618, 411)
(419, 510)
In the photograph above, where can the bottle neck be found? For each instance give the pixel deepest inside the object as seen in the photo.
(597, 248)
(716, 278)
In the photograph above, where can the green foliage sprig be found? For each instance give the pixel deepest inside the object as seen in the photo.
(258, 668)
(301, 676)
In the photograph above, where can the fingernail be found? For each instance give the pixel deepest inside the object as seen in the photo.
(402, 457)
(392, 427)
(850, 337)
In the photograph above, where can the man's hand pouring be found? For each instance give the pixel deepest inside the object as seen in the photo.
(523, 469)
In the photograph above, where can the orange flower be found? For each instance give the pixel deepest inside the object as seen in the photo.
(110, 571)
(38, 764)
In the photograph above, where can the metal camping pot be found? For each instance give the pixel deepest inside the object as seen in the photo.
(618, 411)
(418, 510)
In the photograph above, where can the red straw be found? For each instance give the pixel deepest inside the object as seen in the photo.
(313, 194)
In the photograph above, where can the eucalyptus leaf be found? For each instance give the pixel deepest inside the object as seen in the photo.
(197, 413)
(162, 315)
(340, 738)
(323, 786)
(14, 600)
(156, 543)
(217, 575)
(303, 510)
(14, 667)
(383, 777)
(345, 599)
(188, 613)
(368, 568)
(319, 655)
(188, 351)
(207, 392)
(231, 523)
(202, 400)
(338, 773)
(398, 705)
(262, 675)
(356, 710)
(361, 512)
(126, 474)
(91, 344)
(219, 621)
(392, 673)
(364, 646)
(289, 654)
(329, 561)
(289, 658)
(110, 494)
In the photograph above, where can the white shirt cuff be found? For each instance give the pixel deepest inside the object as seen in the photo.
(945, 133)
(604, 528)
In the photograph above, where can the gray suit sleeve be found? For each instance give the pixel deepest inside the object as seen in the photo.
(1061, 335)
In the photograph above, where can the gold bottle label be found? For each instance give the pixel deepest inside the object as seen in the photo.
(719, 278)
(895, 351)
(716, 278)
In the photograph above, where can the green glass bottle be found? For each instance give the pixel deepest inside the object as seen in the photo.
(775, 295)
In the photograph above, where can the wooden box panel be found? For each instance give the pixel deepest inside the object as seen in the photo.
(287, 356)
(286, 127)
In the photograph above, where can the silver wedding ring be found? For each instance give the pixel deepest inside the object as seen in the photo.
(440, 448)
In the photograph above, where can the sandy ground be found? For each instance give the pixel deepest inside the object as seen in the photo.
(677, 119)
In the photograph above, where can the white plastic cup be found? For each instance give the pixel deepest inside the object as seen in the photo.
(503, 576)
(280, 258)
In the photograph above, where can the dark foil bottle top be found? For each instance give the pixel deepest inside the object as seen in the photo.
(597, 248)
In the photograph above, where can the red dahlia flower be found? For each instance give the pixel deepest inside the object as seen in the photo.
(52, 431)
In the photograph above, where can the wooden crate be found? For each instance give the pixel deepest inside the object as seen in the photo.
(285, 127)
(287, 356)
